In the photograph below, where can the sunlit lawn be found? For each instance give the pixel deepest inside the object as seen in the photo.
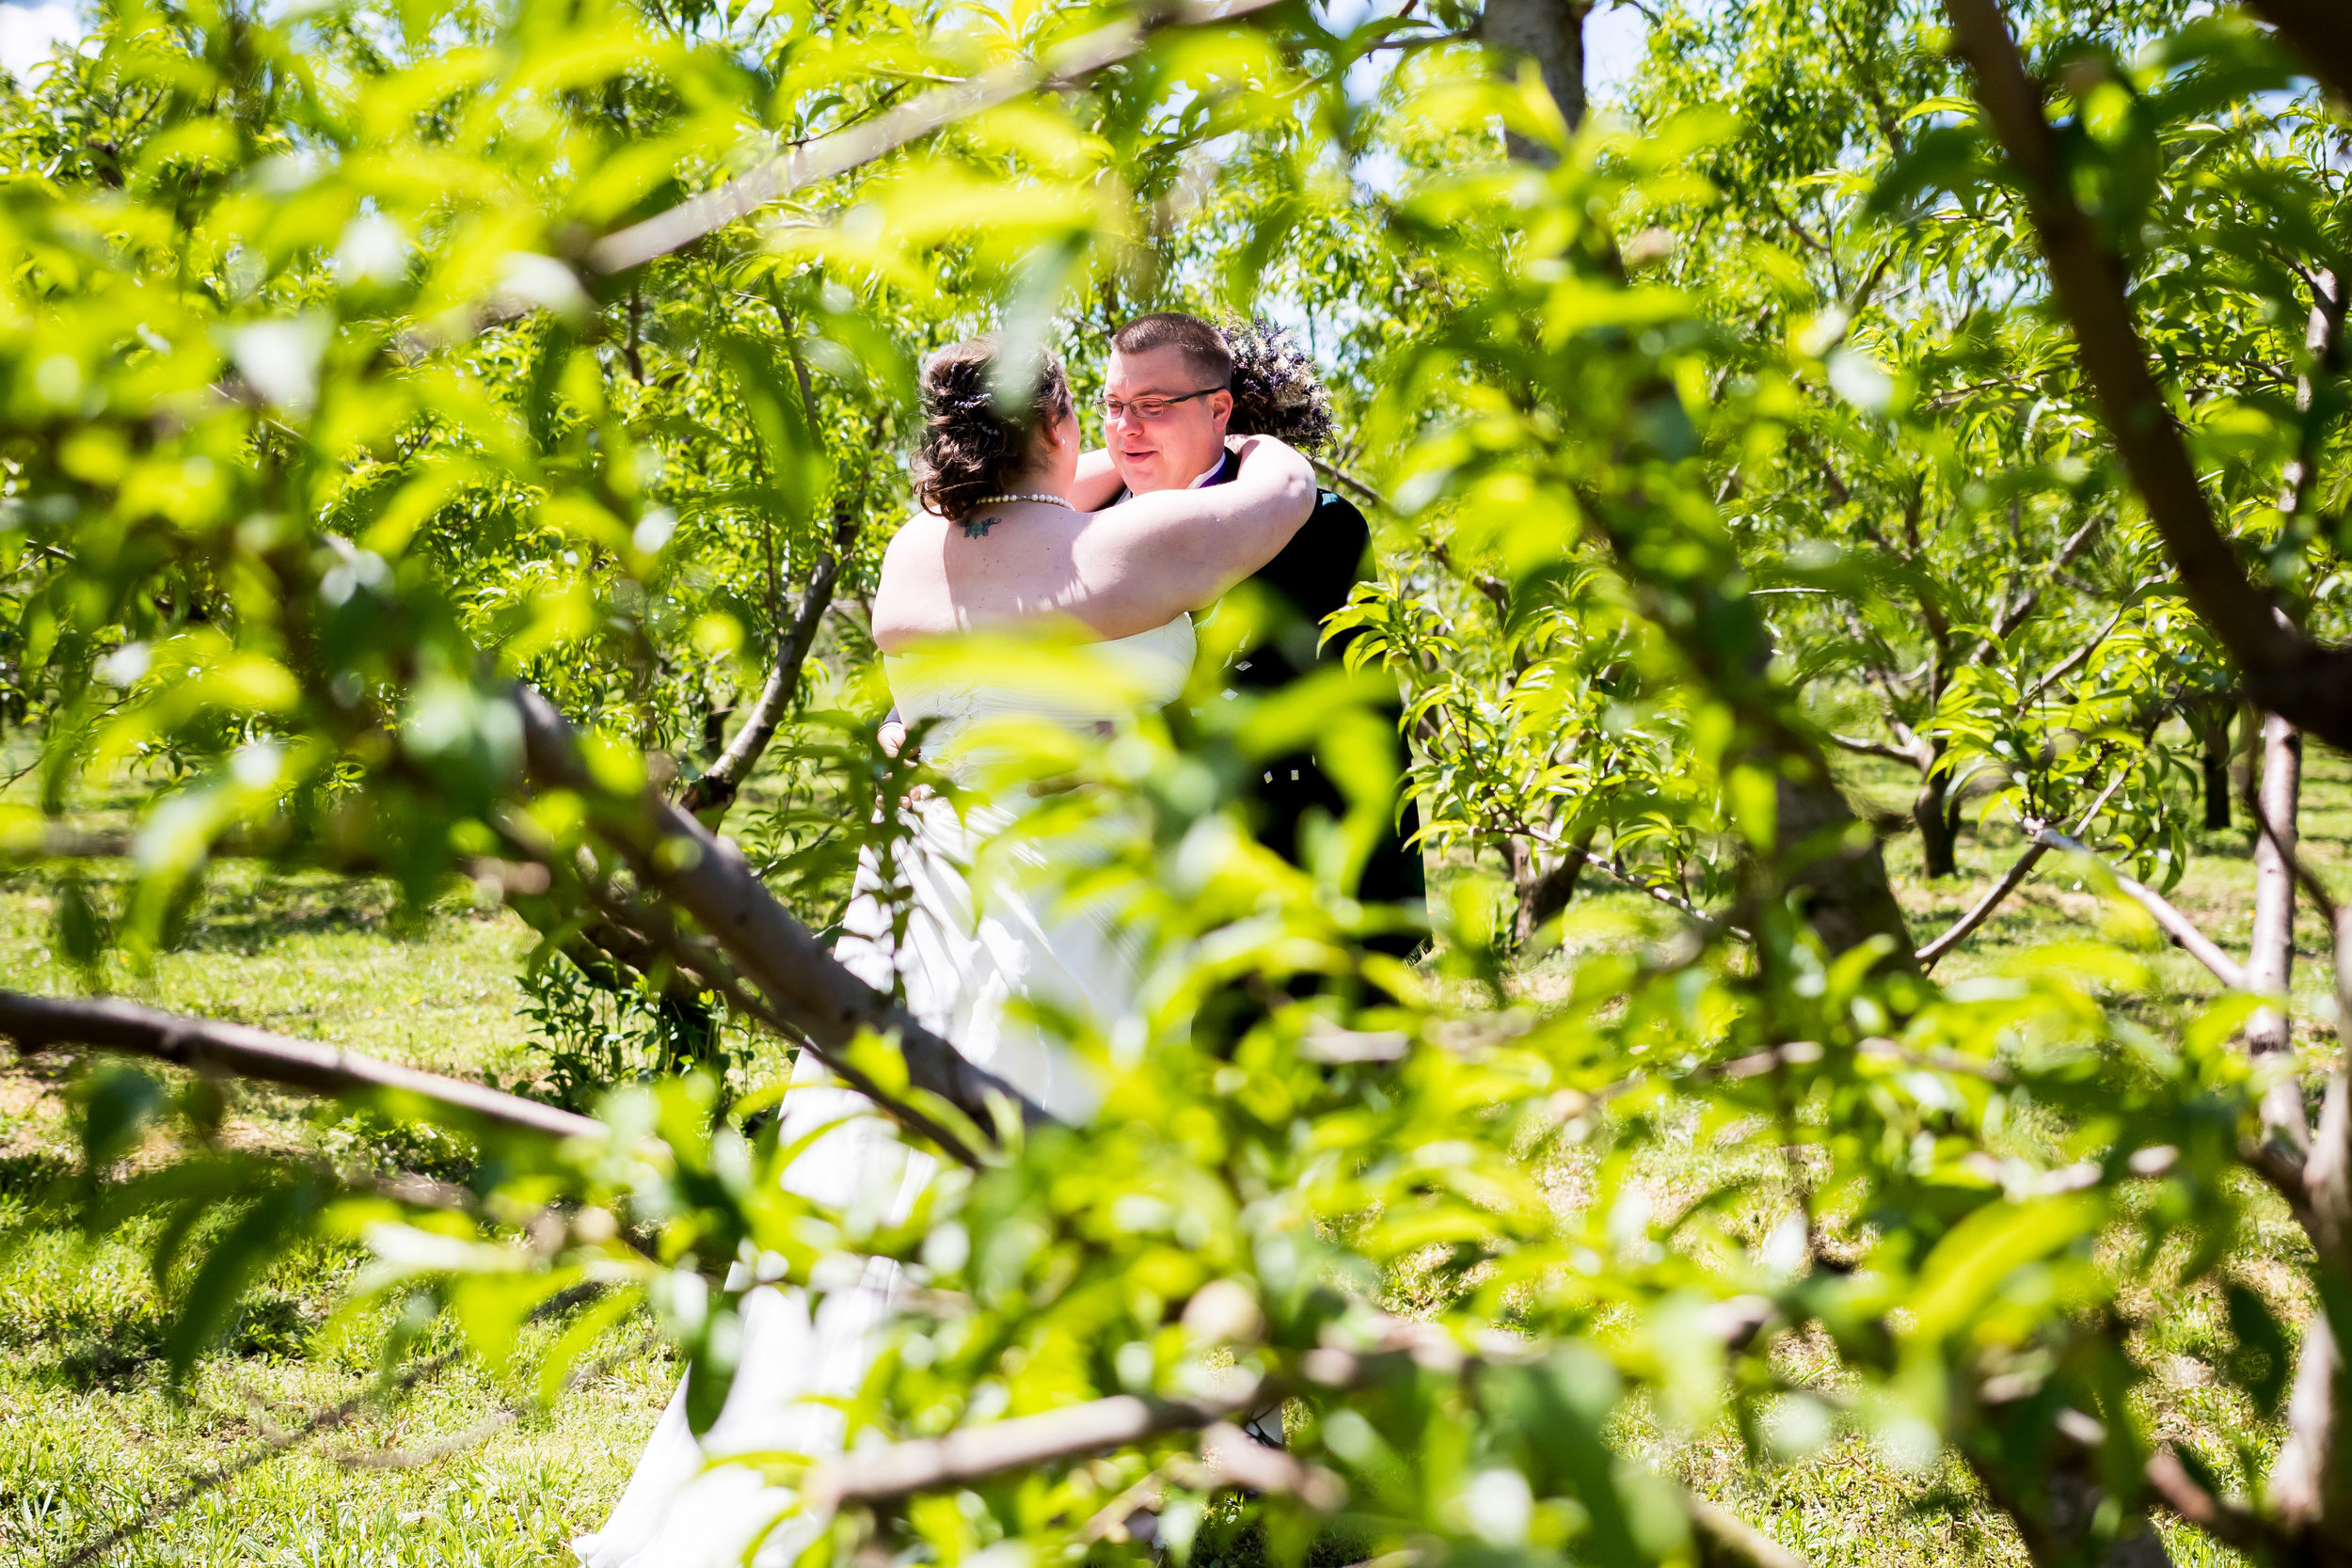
(94, 1431)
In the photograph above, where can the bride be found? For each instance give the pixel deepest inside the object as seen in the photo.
(1000, 543)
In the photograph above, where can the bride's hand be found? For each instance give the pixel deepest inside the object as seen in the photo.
(1269, 453)
(1096, 483)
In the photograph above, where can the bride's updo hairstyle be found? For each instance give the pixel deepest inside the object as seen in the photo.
(1276, 389)
(970, 449)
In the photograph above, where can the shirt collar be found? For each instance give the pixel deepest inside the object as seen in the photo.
(1214, 468)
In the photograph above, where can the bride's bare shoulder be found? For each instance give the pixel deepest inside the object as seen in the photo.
(911, 590)
(916, 548)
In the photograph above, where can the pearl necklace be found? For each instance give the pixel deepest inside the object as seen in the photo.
(1001, 500)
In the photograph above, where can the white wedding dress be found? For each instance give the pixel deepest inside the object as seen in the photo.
(972, 946)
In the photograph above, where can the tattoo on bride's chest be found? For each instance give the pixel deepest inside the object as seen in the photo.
(976, 528)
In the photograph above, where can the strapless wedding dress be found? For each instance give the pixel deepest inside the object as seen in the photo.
(972, 946)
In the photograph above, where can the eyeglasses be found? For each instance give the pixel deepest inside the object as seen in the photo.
(1152, 406)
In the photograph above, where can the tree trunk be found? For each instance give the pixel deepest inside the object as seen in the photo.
(1544, 884)
(2307, 1483)
(1938, 820)
(710, 795)
(1843, 893)
(2270, 961)
(2212, 716)
(1550, 33)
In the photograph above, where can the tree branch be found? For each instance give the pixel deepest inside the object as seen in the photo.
(699, 957)
(1727, 1540)
(2286, 671)
(38, 1022)
(2175, 924)
(2075, 660)
(2323, 339)
(713, 791)
(1339, 476)
(893, 1472)
(2270, 953)
(1610, 867)
(1983, 908)
(819, 999)
(2021, 608)
(844, 150)
(1870, 749)
(2230, 1523)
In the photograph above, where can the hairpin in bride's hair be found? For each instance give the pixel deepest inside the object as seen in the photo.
(1277, 390)
(971, 447)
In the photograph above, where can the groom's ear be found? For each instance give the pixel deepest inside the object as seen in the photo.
(1222, 409)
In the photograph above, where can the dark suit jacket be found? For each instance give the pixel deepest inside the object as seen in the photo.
(1313, 575)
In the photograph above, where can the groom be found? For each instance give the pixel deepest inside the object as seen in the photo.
(1168, 404)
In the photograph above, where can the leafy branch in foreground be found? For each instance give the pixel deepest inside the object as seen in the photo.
(345, 522)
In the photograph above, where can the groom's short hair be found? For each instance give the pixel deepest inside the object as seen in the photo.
(1202, 345)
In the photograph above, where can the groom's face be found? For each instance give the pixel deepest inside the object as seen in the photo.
(1184, 441)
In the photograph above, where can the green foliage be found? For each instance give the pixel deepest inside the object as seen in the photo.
(326, 426)
(594, 1037)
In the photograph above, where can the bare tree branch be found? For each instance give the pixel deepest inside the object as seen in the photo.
(2021, 608)
(2175, 924)
(1609, 866)
(2286, 671)
(1339, 476)
(2289, 847)
(1870, 749)
(699, 957)
(2074, 660)
(1727, 1540)
(713, 791)
(1982, 909)
(2230, 1523)
(836, 155)
(36, 1022)
(707, 879)
(2323, 339)
(893, 1472)
(897, 1470)
(2270, 953)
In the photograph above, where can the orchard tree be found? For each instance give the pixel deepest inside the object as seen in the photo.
(431, 429)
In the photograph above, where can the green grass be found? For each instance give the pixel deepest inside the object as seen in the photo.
(94, 1430)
